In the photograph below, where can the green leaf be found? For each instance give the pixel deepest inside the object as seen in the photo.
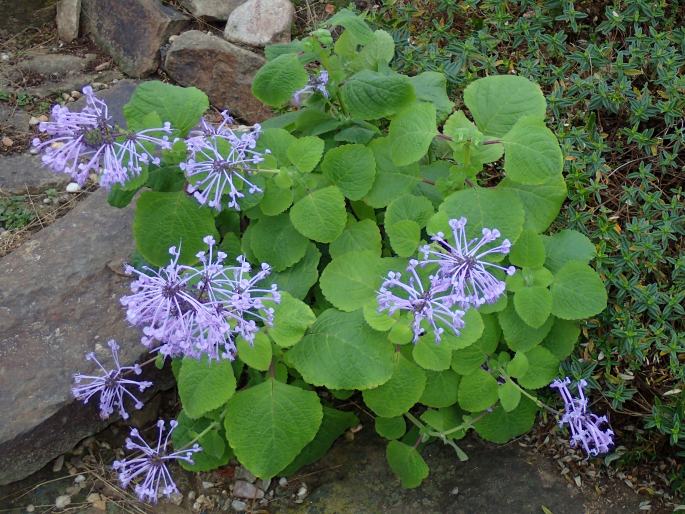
(401, 332)
(276, 242)
(292, 318)
(354, 25)
(541, 202)
(518, 366)
(509, 396)
(468, 142)
(472, 331)
(565, 246)
(204, 386)
(256, 355)
(181, 106)
(445, 419)
(215, 453)
(391, 181)
(499, 101)
(352, 280)
(320, 215)
(500, 426)
(467, 360)
(400, 393)
(431, 86)
(543, 366)
(577, 292)
(276, 81)
(531, 153)
(391, 428)
(477, 391)
(405, 236)
(276, 199)
(306, 152)
(517, 333)
(269, 424)
(429, 355)
(369, 95)
(342, 352)
(163, 220)
(352, 168)
(355, 134)
(528, 251)
(483, 208)
(409, 207)
(298, 279)
(380, 321)
(562, 338)
(533, 305)
(277, 141)
(334, 424)
(441, 389)
(361, 236)
(120, 198)
(376, 54)
(411, 132)
(407, 464)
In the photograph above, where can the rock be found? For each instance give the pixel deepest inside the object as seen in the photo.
(222, 70)
(18, 16)
(131, 31)
(54, 66)
(68, 15)
(242, 473)
(72, 187)
(57, 465)
(15, 118)
(19, 173)
(116, 97)
(239, 506)
(211, 9)
(59, 300)
(62, 501)
(260, 22)
(243, 489)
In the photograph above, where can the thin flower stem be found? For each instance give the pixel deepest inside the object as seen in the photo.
(209, 428)
(525, 393)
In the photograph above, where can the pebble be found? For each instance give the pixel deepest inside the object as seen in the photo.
(282, 481)
(62, 501)
(243, 474)
(243, 489)
(208, 485)
(5, 57)
(30, 508)
(79, 479)
(97, 501)
(66, 96)
(103, 66)
(33, 150)
(173, 38)
(455, 491)
(57, 465)
(33, 121)
(302, 491)
(239, 506)
(263, 484)
(76, 94)
(73, 187)
(191, 495)
(6, 141)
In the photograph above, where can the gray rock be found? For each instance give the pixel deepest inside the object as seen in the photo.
(116, 97)
(18, 15)
(260, 22)
(222, 70)
(211, 9)
(12, 117)
(22, 172)
(55, 65)
(243, 489)
(131, 31)
(59, 300)
(68, 15)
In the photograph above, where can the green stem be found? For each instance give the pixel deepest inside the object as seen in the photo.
(209, 428)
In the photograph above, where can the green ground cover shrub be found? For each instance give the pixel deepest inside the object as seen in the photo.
(612, 73)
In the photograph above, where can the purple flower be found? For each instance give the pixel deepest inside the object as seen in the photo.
(221, 162)
(148, 468)
(88, 141)
(464, 264)
(435, 304)
(316, 83)
(111, 385)
(586, 427)
(196, 311)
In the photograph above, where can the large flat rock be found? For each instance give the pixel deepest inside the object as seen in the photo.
(24, 173)
(222, 70)
(131, 31)
(59, 299)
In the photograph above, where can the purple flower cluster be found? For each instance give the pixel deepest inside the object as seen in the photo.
(199, 311)
(463, 264)
(316, 83)
(221, 162)
(586, 427)
(111, 385)
(148, 468)
(88, 141)
(462, 281)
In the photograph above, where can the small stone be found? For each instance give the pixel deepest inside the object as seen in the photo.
(68, 15)
(103, 66)
(176, 498)
(282, 481)
(173, 38)
(30, 508)
(6, 141)
(58, 464)
(191, 495)
(76, 94)
(242, 473)
(243, 489)
(455, 491)
(239, 506)
(5, 57)
(263, 484)
(73, 187)
(302, 491)
(62, 501)
(43, 117)
(79, 479)
(207, 485)
(33, 121)
(260, 22)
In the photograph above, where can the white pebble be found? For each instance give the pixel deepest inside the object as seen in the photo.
(173, 38)
(79, 479)
(76, 94)
(5, 57)
(62, 501)
(58, 464)
(302, 491)
(238, 506)
(30, 508)
(282, 481)
(73, 187)
(191, 495)
(207, 485)
(33, 121)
